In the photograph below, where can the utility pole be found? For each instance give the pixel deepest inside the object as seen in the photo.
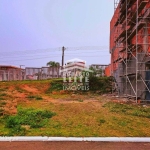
(63, 49)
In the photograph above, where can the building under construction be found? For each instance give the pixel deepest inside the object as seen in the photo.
(130, 48)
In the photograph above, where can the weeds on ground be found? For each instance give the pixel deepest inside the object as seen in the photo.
(102, 121)
(31, 117)
(128, 109)
(20, 90)
(37, 97)
(56, 85)
(3, 94)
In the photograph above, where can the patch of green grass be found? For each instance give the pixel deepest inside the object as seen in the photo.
(128, 109)
(32, 117)
(56, 85)
(3, 131)
(17, 130)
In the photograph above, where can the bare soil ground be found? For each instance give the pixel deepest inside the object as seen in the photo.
(17, 94)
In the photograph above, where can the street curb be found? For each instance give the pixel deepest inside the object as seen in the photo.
(74, 139)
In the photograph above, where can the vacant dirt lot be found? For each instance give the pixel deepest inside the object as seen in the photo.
(76, 114)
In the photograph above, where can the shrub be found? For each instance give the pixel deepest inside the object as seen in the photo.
(102, 84)
(12, 121)
(56, 85)
(17, 130)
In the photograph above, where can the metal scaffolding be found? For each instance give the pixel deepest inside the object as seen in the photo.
(131, 50)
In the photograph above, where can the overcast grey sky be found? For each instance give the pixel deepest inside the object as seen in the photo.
(32, 32)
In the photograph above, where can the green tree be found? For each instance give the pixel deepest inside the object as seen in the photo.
(96, 72)
(53, 64)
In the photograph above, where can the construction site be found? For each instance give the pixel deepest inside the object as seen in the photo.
(76, 96)
(130, 48)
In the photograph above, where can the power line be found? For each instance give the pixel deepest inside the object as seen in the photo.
(33, 54)
(57, 49)
(2, 57)
(49, 57)
(52, 56)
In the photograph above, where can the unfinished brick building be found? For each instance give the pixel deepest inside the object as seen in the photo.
(130, 48)
(10, 73)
